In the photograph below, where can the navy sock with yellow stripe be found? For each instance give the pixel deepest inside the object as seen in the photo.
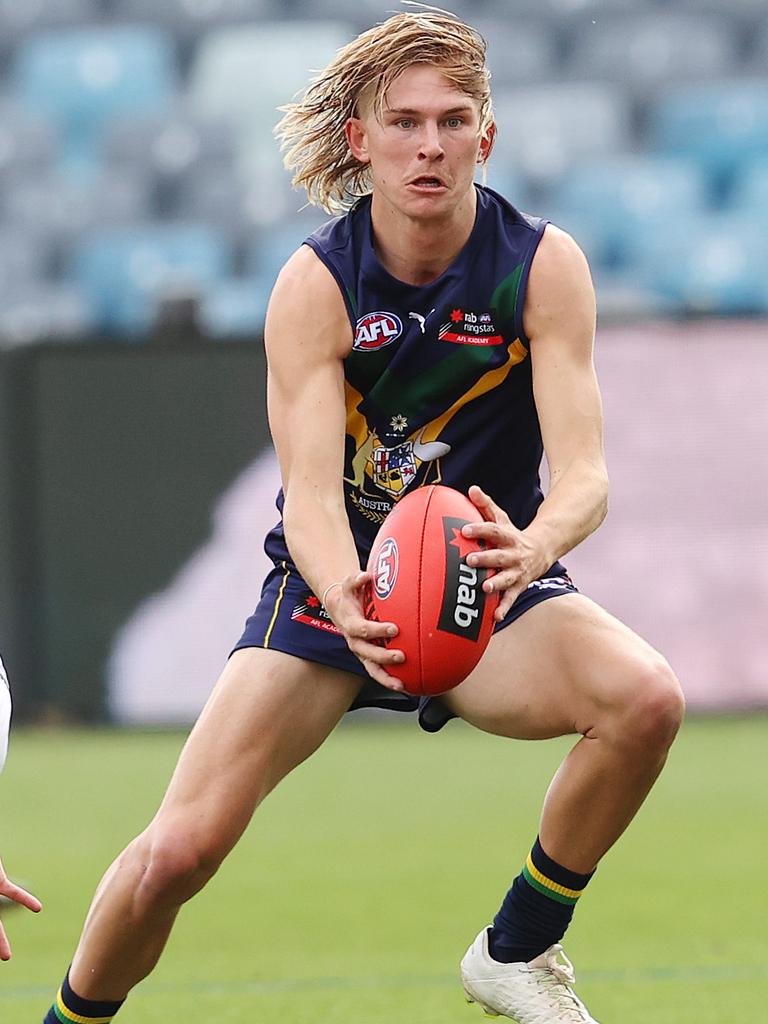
(70, 1008)
(537, 909)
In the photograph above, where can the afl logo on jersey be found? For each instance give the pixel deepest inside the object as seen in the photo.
(375, 330)
(385, 569)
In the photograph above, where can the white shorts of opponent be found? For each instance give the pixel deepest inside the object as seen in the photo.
(5, 713)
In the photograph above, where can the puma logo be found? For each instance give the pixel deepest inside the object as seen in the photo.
(421, 319)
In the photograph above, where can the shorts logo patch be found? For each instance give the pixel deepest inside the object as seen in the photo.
(311, 613)
(385, 570)
(552, 583)
(468, 327)
(375, 330)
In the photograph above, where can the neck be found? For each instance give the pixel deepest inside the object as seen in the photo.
(416, 250)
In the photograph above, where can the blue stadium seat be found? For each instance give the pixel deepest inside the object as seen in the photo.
(44, 311)
(28, 142)
(655, 48)
(260, 166)
(623, 197)
(218, 196)
(235, 308)
(364, 13)
(244, 74)
(67, 207)
(272, 246)
(214, 195)
(759, 49)
(191, 17)
(545, 129)
(620, 297)
(509, 182)
(168, 148)
(126, 273)
(20, 18)
(579, 9)
(722, 124)
(564, 11)
(518, 51)
(26, 257)
(83, 78)
(750, 191)
(591, 239)
(716, 264)
(734, 7)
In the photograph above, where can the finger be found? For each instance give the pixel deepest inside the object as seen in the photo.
(19, 895)
(371, 631)
(494, 558)
(483, 502)
(5, 947)
(375, 653)
(508, 598)
(381, 630)
(377, 672)
(494, 519)
(508, 589)
(487, 531)
(359, 581)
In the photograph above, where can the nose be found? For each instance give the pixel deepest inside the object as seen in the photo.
(430, 146)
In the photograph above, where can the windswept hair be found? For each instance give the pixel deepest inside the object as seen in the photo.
(311, 132)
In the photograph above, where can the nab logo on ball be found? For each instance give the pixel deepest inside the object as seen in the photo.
(385, 570)
(463, 604)
(375, 330)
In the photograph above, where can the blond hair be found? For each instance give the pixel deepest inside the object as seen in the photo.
(311, 132)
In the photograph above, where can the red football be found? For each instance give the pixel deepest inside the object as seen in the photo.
(422, 583)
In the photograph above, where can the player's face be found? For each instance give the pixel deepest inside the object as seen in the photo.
(424, 146)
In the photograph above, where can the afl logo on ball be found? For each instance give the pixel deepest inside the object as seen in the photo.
(385, 569)
(375, 330)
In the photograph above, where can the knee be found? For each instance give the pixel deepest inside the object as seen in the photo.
(653, 709)
(173, 866)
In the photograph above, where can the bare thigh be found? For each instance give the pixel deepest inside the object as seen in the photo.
(563, 667)
(268, 712)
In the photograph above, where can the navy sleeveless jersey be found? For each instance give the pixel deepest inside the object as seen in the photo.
(438, 382)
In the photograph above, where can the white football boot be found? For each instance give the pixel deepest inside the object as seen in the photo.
(538, 992)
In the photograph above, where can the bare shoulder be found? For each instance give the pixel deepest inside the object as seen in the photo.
(560, 286)
(306, 306)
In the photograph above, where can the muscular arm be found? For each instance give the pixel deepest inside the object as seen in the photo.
(560, 324)
(307, 336)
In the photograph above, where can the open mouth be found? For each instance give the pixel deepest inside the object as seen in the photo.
(427, 181)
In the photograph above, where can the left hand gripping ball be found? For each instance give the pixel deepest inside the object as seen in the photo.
(422, 583)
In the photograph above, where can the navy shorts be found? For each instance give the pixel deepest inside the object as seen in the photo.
(290, 618)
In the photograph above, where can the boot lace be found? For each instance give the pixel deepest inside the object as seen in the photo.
(556, 979)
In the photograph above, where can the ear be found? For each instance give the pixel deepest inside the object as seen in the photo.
(486, 143)
(357, 139)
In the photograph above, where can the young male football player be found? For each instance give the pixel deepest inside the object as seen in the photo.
(8, 889)
(432, 333)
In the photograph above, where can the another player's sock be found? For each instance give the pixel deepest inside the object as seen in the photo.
(537, 909)
(70, 1008)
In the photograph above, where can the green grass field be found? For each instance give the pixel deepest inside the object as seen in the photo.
(366, 874)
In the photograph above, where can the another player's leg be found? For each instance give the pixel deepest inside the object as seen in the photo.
(268, 712)
(566, 666)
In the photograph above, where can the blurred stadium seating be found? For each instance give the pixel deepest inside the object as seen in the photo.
(126, 125)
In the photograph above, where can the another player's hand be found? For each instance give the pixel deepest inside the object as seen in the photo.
(346, 606)
(18, 895)
(510, 553)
